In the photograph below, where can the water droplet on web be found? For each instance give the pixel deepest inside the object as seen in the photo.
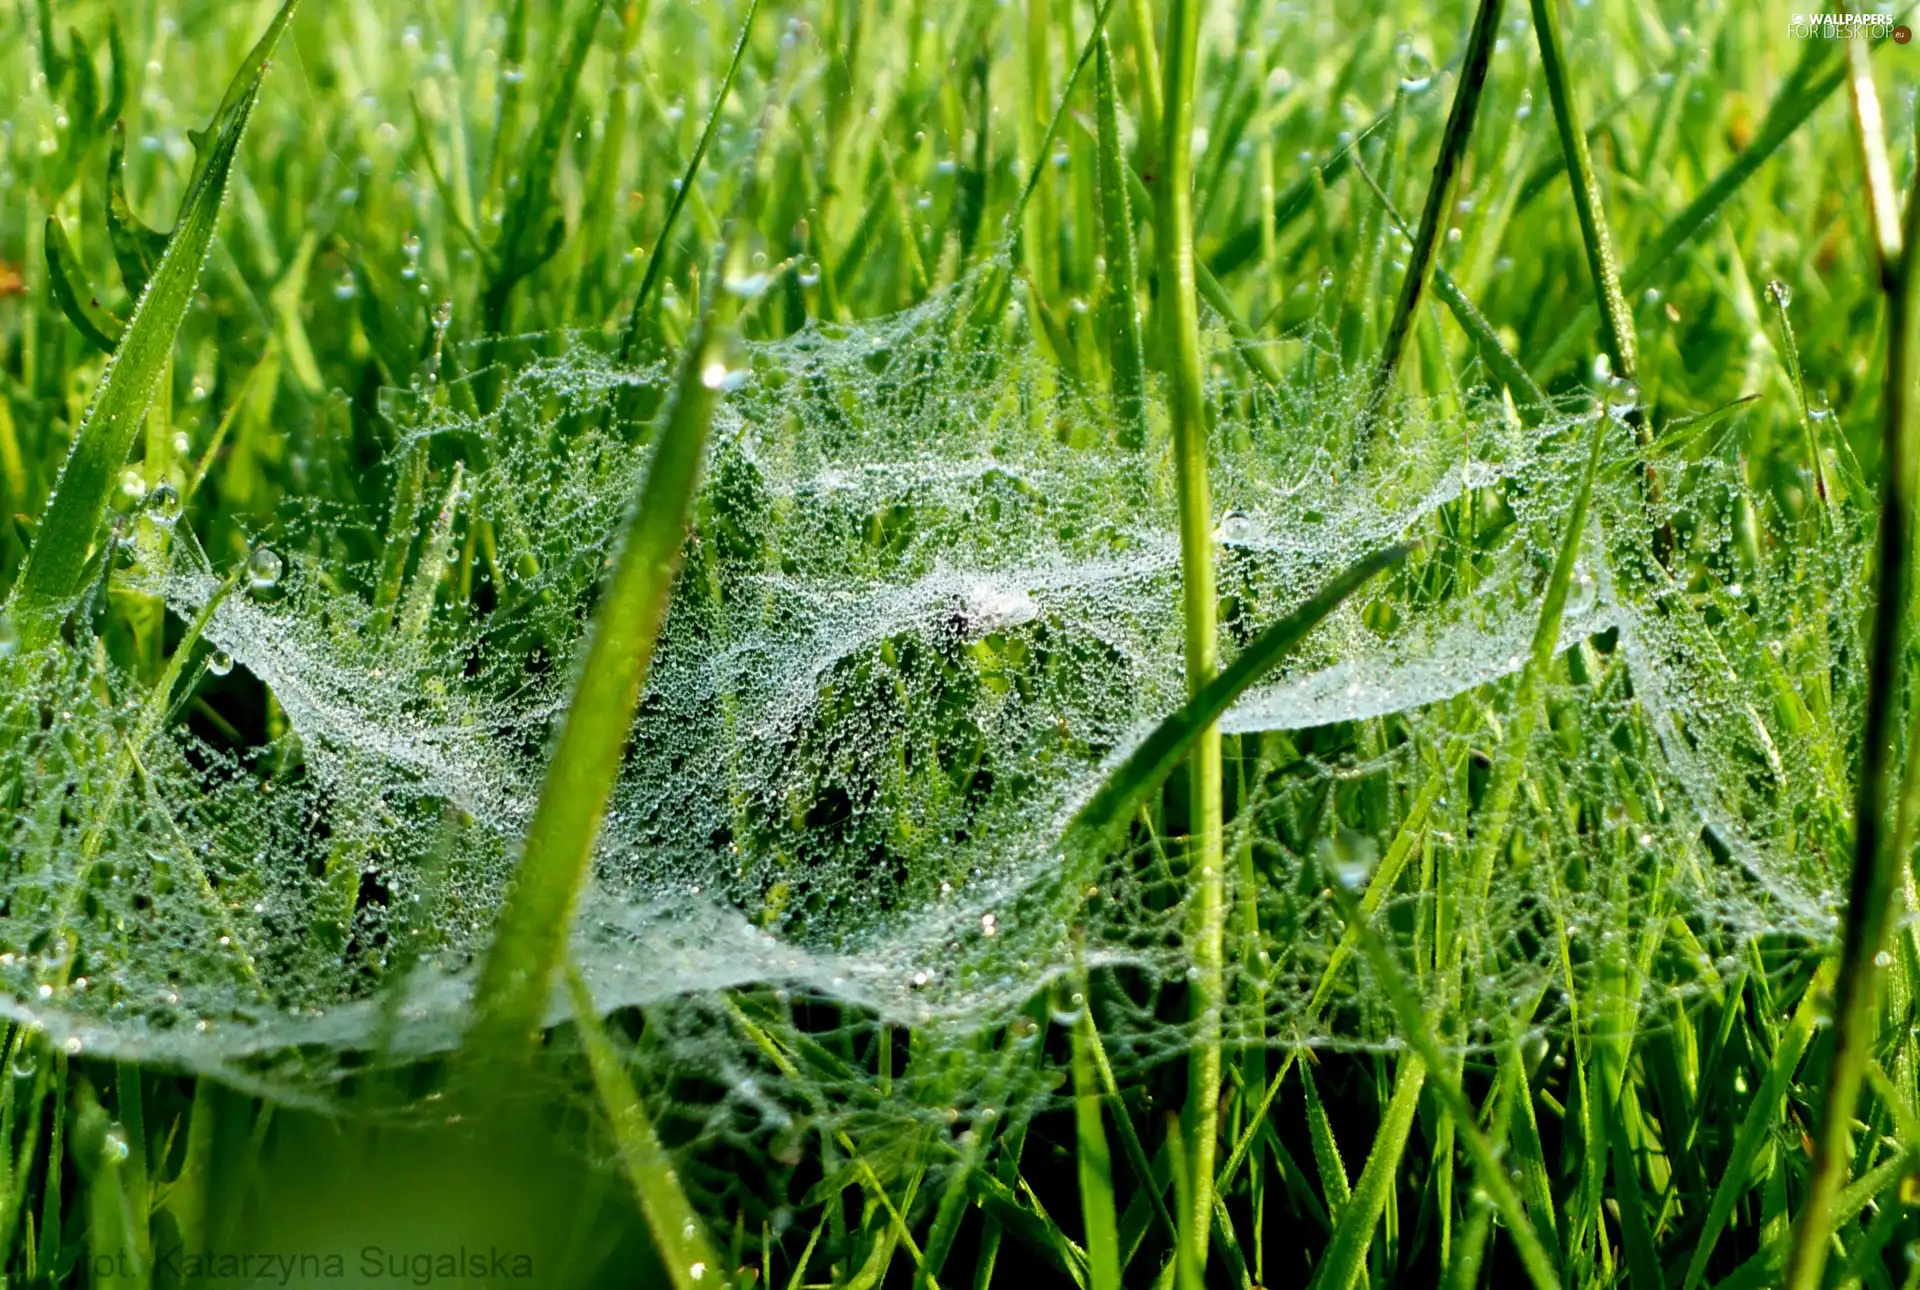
(113, 1147)
(1416, 72)
(1351, 858)
(221, 663)
(746, 288)
(163, 504)
(263, 569)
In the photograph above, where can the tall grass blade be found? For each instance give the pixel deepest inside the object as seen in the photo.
(1128, 347)
(1871, 890)
(1616, 320)
(657, 260)
(1814, 78)
(55, 568)
(1094, 1162)
(1440, 190)
(517, 977)
(677, 1232)
(1180, 347)
(1345, 1256)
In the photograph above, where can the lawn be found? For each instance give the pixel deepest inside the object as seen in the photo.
(1073, 642)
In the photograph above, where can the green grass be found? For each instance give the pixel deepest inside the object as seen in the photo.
(648, 636)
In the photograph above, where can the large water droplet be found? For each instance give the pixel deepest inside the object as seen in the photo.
(113, 1148)
(163, 504)
(221, 663)
(263, 569)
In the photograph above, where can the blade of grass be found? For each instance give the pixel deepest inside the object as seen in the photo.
(1814, 78)
(1439, 204)
(1762, 1118)
(1129, 784)
(677, 1232)
(1094, 1162)
(55, 567)
(1344, 1259)
(1871, 890)
(74, 292)
(517, 977)
(1488, 1168)
(657, 260)
(1128, 348)
(1616, 320)
(1180, 345)
(1870, 134)
(1533, 400)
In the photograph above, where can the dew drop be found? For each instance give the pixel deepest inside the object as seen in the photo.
(221, 663)
(9, 635)
(264, 569)
(114, 1148)
(1416, 73)
(163, 504)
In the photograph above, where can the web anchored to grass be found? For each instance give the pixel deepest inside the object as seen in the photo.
(926, 602)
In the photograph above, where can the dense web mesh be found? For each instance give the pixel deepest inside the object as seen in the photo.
(927, 600)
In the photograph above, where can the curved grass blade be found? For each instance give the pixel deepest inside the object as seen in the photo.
(657, 261)
(1446, 177)
(136, 248)
(73, 291)
(1147, 766)
(677, 1232)
(517, 977)
(55, 566)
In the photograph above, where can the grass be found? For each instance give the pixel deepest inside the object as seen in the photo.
(522, 393)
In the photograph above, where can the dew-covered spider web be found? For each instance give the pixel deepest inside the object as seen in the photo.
(928, 600)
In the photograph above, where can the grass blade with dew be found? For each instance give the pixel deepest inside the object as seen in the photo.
(1093, 1158)
(1817, 75)
(1761, 1120)
(677, 1231)
(1123, 271)
(1499, 360)
(1871, 890)
(1137, 777)
(1439, 204)
(517, 977)
(656, 262)
(1344, 1258)
(1180, 351)
(56, 566)
(1489, 1169)
(1616, 320)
